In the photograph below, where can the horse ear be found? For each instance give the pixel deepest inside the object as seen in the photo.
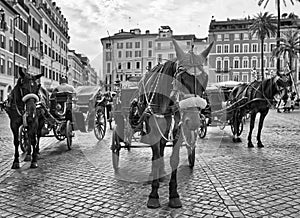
(38, 76)
(179, 52)
(207, 50)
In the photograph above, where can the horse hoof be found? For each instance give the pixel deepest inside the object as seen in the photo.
(153, 203)
(238, 140)
(27, 158)
(34, 165)
(234, 140)
(250, 145)
(175, 203)
(15, 166)
(260, 145)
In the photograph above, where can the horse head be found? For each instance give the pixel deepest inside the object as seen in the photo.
(282, 81)
(29, 90)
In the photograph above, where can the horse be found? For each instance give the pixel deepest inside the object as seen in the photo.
(259, 95)
(160, 117)
(21, 109)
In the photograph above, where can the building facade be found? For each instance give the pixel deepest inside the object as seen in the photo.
(54, 43)
(75, 70)
(236, 54)
(8, 15)
(34, 38)
(132, 54)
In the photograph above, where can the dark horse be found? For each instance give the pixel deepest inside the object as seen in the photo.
(158, 108)
(260, 96)
(21, 109)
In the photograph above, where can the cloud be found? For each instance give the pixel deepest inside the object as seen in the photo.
(90, 20)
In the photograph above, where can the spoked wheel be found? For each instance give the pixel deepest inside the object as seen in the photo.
(69, 134)
(23, 139)
(240, 130)
(99, 124)
(115, 148)
(203, 128)
(58, 135)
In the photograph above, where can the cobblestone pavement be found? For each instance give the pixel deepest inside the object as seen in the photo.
(228, 180)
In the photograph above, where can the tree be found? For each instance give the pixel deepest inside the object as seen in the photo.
(263, 26)
(277, 3)
(289, 47)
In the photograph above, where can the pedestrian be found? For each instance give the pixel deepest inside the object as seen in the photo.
(288, 104)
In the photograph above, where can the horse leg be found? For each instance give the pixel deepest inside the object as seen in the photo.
(174, 200)
(16, 163)
(162, 171)
(235, 124)
(153, 201)
(27, 145)
(34, 152)
(237, 128)
(252, 122)
(260, 126)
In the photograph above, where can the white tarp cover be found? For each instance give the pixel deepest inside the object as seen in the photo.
(193, 102)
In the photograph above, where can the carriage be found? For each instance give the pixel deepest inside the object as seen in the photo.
(219, 111)
(90, 110)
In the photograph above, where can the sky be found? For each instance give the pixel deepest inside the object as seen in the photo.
(91, 20)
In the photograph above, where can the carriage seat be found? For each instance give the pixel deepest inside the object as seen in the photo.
(61, 105)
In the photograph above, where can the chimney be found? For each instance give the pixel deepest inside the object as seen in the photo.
(147, 32)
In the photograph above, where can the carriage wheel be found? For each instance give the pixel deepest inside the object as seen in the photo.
(99, 124)
(23, 139)
(115, 148)
(57, 135)
(191, 156)
(240, 130)
(203, 129)
(69, 134)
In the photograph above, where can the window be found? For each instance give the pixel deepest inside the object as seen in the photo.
(246, 36)
(128, 44)
(254, 48)
(272, 62)
(9, 68)
(171, 56)
(226, 65)
(219, 78)
(119, 45)
(128, 54)
(219, 49)
(245, 63)
(226, 48)
(2, 65)
(219, 65)
(108, 68)
(128, 65)
(236, 48)
(159, 46)
(254, 36)
(108, 56)
(108, 45)
(272, 47)
(149, 65)
(254, 63)
(138, 53)
(149, 53)
(265, 47)
(137, 65)
(137, 44)
(219, 37)
(236, 77)
(245, 78)
(11, 45)
(236, 63)
(237, 36)
(149, 44)
(1, 95)
(119, 54)
(226, 37)
(159, 58)
(2, 42)
(246, 48)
